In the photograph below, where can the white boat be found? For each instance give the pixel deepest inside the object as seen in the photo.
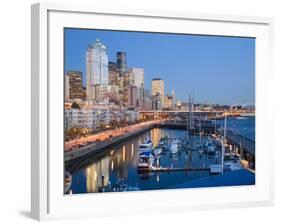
(145, 163)
(174, 147)
(232, 165)
(146, 146)
(215, 168)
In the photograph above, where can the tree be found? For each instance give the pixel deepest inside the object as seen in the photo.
(75, 105)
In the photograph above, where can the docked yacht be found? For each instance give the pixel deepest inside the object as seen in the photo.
(146, 160)
(232, 163)
(174, 146)
(146, 146)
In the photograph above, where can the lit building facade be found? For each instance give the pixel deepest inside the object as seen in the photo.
(96, 68)
(113, 76)
(168, 101)
(74, 85)
(157, 89)
(93, 119)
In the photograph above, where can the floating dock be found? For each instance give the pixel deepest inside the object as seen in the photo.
(174, 169)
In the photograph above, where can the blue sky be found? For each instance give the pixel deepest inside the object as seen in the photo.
(216, 69)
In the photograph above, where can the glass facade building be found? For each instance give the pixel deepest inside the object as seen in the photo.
(97, 68)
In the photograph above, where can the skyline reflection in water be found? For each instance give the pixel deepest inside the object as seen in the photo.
(120, 162)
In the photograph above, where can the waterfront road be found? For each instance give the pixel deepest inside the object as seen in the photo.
(74, 144)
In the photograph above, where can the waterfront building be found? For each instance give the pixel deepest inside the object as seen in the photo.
(96, 118)
(74, 85)
(121, 60)
(131, 116)
(157, 90)
(76, 118)
(137, 76)
(97, 69)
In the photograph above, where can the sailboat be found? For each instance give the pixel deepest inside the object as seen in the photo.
(174, 146)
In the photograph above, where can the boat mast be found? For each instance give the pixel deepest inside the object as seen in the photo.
(190, 114)
(222, 153)
(216, 124)
(241, 151)
(224, 131)
(200, 130)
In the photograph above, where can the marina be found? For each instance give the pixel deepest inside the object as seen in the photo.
(156, 158)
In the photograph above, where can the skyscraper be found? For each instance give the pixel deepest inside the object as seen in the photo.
(74, 84)
(168, 101)
(137, 76)
(97, 69)
(121, 59)
(66, 88)
(133, 96)
(173, 98)
(112, 69)
(157, 89)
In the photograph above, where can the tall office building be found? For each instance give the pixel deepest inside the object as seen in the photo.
(66, 88)
(132, 96)
(168, 101)
(173, 98)
(74, 84)
(137, 77)
(157, 89)
(112, 70)
(121, 59)
(97, 69)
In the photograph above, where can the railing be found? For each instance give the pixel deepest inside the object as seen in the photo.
(247, 144)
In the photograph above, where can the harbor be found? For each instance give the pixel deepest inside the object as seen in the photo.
(126, 165)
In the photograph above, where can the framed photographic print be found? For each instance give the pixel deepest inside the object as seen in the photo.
(148, 111)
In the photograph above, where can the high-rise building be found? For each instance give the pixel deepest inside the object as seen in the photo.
(133, 96)
(137, 77)
(66, 88)
(75, 86)
(173, 98)
(97, 69)
(156, 102)
(121, 59)
(157, 89)
(168, 101)
(112, 70)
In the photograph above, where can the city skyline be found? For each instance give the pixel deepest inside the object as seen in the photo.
(225, 64)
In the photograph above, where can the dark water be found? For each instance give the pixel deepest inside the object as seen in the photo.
(244, 126)
(121, 163)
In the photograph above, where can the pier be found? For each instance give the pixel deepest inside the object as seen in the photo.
(247, 145)
(175, 169)
(206, 127)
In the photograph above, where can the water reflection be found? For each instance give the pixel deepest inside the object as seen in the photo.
(121, 161)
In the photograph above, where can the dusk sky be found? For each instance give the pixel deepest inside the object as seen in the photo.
(216, 69)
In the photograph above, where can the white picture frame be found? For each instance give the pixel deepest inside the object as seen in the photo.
(48, 200)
